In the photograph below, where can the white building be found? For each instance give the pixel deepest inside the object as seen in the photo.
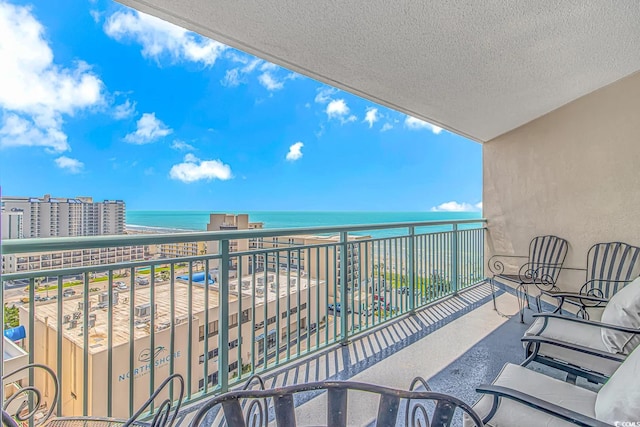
(12, 224)
(63, 217)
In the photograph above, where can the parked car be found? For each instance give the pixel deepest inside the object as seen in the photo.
(68, 292)
(142, 281)
(336, 308)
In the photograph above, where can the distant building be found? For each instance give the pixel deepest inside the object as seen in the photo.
(65, 217)
(12, 224)
(258, 324)
(32, 217)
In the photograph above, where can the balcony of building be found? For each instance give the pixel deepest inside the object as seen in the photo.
(289, 314)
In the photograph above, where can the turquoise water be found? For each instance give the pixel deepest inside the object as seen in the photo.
(197, 220)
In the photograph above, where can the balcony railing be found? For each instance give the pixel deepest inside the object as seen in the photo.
(114, 332)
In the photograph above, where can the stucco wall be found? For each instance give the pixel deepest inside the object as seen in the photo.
(574, 172)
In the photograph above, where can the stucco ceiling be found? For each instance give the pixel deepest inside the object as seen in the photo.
(477, 68)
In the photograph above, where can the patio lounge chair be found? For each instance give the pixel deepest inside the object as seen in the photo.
(586, 348)
(165, 414)
(544, 262)
(395, 407)
(522, 397)
(610, 266)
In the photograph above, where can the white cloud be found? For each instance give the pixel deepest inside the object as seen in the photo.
(417, 124)
(181, 145)
(149, 129)
(295, 152)
(267, 80)
(232, 78)
(160, 39)
(371, 116)
(270, 74)
(35, 93)
(325, 94)
(71, 165)
(386, 127)
(478, 206)
(453, 206)
(125, 110)
(194, 169)
(338, 109)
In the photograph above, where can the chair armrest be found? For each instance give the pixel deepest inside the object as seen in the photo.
(586, 322)
(575, 295)
(533, 402)
(534, 339)
(496, 266)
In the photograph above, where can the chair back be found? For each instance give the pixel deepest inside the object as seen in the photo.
(28, 403)
(546, 257)
(167, 410)
(277, 406)
(610, 266)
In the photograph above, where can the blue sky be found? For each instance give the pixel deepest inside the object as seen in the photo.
(97, 99)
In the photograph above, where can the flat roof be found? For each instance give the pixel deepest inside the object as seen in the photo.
(98, 336)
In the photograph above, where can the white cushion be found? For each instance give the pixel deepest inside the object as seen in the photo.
(565, 330)
(619, 399)
(623, 309)
(549, 389)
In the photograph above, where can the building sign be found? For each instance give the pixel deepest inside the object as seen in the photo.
(160, 356)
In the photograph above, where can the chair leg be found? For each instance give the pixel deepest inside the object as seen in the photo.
(523, 299)
(493, 293)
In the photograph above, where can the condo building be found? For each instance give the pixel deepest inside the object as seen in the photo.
(257, 324)
(63, 217)
(32, 217)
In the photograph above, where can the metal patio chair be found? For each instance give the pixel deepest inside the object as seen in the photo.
(164, 416)
(523, 397)
(610, 266)
(543, 265)
(587, 348)
(27, 404)
(262, 407)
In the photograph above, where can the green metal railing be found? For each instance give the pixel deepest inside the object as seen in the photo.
(222, 316)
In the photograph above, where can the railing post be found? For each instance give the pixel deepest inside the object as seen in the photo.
(344, 308)
(410, 270)
(454, 260)
(223, 330)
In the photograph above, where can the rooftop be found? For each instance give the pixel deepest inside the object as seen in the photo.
(98, 335)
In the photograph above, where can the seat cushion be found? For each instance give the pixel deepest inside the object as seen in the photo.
(623, 309)
(574, 333)
(619, 399)
(511, 413)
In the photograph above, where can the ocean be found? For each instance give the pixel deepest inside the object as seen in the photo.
(168, 221)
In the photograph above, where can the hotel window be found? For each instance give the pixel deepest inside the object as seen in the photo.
(303, 306)
(271, 320)
(233, 344)
(213, 330)
(246, 316)
(233, 320)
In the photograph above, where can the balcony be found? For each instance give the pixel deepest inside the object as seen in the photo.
(292, 310)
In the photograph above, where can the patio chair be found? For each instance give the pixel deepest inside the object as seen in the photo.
(610, 266)
(587, 348)
(522, 397)
(40, 412)
(249, 407)
(543, 265)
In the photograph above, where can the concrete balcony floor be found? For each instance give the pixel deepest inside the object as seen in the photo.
(455, 344)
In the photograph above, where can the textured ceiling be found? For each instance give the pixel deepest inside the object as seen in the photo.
(477, 68)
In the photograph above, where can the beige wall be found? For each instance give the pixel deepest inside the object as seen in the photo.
(574, 172)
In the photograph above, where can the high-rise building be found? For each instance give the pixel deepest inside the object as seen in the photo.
(61, 217)
(32, 217)
(12, 224)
